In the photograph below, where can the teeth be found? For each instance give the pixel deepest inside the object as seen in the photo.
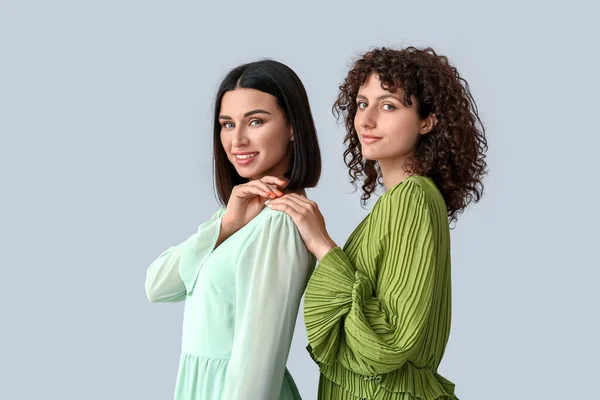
(245, 156)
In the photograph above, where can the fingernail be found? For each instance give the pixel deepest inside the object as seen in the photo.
(272, 195)
(267, 202)
(279, 192)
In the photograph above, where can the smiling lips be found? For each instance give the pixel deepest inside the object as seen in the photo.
(244, 158)
(368, 139)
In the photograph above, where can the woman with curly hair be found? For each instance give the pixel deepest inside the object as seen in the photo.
(377, 311)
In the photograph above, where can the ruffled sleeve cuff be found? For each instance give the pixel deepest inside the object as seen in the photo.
(197, 248)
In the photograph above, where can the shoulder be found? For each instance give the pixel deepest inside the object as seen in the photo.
(415, 204)
(414, 192)
(281, 228)
(410, 193)
(277, 218)
(275, 224)
(275, 235)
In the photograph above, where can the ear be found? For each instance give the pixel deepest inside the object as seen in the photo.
(428, 124)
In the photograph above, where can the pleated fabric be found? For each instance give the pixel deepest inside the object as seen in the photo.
(377, 312)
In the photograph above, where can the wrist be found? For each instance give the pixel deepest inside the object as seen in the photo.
(324, 247)
(228, 227)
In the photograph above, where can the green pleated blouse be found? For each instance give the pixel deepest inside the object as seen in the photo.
(377, 312)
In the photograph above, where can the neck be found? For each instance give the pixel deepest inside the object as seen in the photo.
(278, 171)
(394, 171)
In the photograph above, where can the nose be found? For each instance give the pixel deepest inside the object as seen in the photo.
(239, 138)
(366, 118)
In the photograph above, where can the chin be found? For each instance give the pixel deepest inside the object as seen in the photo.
(245, 176)
(369, 155)
(245, 173)
(248, 173)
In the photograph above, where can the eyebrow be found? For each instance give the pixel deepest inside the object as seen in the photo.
(385, 96)
(249, 113)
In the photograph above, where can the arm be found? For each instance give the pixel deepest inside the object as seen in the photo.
(270, 279)
(163, 283)
(173, 274)
(374, 328)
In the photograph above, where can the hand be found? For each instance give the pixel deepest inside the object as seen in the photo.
(246, 202)
(309, 221)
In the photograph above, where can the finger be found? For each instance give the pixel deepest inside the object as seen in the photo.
(246, 190)
(301, 199)
(287, 201)
(309, 205)
(273, 180)
(293, 208)
(298, 202)
(273, 183)
(272, 187)
(287, 207)
(271, 192)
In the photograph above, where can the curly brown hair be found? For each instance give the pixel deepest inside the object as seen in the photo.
(452, 154)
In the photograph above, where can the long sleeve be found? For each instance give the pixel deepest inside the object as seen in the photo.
(272, 272)
(173, 274)
(372, 325)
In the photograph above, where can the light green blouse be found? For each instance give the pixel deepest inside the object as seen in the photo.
(242, 300)
(378, 312)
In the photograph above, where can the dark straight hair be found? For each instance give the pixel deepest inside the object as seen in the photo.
(280, 81)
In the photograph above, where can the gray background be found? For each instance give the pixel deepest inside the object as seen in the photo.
(105, 160)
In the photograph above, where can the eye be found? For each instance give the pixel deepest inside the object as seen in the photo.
(228, 125)
(256, 122)
(362, 104)
(389, 107)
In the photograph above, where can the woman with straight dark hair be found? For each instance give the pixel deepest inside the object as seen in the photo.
(243, 273)
(377, 311)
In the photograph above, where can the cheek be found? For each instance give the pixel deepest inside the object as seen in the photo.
(402, 129)
(274, 141)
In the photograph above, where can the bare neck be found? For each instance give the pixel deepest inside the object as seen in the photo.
(393, 172)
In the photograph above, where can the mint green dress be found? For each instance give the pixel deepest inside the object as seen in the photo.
(377, 312)
(241, 304)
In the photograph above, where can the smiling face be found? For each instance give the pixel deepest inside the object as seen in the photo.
(255, 133)
(387, 129)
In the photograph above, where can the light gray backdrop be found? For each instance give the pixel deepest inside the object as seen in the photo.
(105, 160)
